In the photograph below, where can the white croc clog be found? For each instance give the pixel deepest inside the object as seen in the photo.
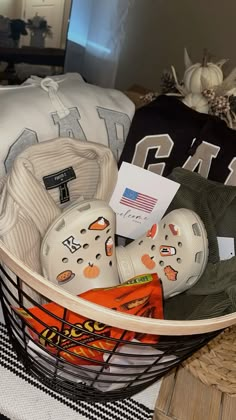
(176, 249)
(77, 251)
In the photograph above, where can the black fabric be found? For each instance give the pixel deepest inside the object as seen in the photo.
(166, 133)
(18, 28)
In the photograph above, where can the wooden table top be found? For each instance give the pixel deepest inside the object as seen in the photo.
(43, 56)
(184, 397)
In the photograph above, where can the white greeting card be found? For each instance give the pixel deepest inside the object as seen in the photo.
(140, 199)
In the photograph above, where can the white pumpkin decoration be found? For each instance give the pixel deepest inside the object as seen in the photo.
(197, 102)
(200, 76)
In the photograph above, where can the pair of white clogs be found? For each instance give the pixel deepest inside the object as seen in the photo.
(78, 250)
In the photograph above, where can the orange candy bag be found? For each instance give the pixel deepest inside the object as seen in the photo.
(83, 341)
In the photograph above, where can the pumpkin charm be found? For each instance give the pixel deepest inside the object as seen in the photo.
(197, 102)
(200, 76)
(91, 271)
(148, 262)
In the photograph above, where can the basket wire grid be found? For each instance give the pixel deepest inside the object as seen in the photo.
(125, 369)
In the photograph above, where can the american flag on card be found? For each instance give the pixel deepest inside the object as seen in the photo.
(138, 200)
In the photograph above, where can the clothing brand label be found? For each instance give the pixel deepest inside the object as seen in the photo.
(226, 247)
(60, 180)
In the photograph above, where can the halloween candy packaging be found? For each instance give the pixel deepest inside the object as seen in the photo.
(83, 341)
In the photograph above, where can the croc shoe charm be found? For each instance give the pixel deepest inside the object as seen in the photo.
(77, 251)
(176, 249)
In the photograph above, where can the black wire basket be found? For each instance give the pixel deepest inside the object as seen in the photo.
(124, 368)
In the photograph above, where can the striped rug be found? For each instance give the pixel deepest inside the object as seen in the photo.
(23, 397)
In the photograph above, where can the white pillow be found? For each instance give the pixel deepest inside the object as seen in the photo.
(61, 106)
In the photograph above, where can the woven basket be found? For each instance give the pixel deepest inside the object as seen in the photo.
(215, 363)
(123, 372)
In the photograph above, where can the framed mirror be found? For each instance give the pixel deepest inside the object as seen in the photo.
(33, 36)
